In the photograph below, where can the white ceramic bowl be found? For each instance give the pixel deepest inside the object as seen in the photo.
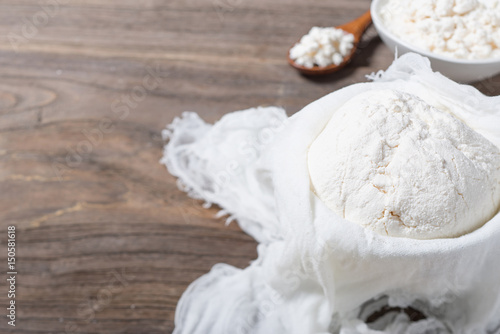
(460, 70)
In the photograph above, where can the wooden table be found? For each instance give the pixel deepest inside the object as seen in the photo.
(106, 243)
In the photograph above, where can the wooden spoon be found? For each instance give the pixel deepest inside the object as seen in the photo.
(357, 28)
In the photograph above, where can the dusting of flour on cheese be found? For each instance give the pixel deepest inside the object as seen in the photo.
(465, 29)
(394, 164)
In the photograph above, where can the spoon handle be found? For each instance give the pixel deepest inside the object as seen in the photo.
(358, 26)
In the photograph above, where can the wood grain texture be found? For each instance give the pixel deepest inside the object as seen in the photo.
(106, 241)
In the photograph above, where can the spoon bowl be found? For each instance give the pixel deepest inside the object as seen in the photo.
(356, 27)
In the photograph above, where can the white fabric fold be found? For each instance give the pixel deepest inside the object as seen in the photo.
(316, 271)
(221, 164)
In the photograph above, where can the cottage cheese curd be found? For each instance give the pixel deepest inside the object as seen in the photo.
(464, 29)
(394, 164)
(322, 47)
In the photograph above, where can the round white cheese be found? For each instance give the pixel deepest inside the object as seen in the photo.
(394, 164)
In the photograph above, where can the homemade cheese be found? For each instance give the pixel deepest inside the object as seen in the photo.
(322, 47)
(466, 29)
(392, 163)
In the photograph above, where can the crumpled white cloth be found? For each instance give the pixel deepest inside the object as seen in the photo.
(315, 272)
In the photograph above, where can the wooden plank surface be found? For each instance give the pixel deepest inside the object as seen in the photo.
(106, 241)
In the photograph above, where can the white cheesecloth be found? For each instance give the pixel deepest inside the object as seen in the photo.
(316, 272)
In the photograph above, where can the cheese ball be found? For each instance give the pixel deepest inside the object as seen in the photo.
(392, 163)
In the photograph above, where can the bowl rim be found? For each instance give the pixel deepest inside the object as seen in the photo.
(379, 25)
